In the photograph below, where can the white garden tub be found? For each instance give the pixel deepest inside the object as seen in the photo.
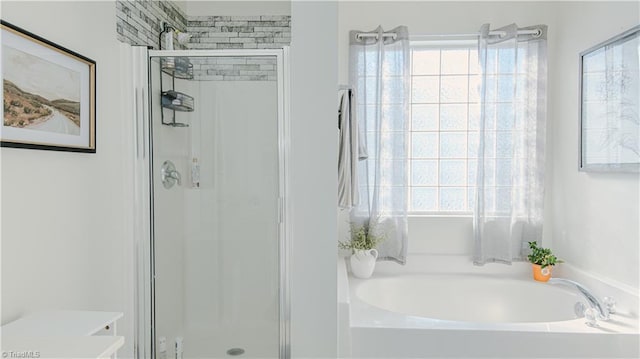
(444, 307)
(469, 298)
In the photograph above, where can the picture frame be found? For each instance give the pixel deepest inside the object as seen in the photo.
(610, 105)
(49, 94)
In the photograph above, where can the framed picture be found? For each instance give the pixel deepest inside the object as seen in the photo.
(49, 94)
(610, 105)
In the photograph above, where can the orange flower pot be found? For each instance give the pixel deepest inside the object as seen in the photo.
(541, 274)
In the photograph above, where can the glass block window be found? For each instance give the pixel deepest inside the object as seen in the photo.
(445, 112)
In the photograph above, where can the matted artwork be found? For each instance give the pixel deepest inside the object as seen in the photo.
(49, 94)
(610, 105)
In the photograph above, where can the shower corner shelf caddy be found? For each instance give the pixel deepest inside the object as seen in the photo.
(177, 68)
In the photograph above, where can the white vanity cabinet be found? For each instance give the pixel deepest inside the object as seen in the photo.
(63, 334)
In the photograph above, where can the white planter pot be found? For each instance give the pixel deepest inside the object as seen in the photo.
(363, 262)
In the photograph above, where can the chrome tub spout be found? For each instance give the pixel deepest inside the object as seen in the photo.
(603, 312)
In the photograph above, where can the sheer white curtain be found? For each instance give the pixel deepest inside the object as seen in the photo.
(380, 73)
(510, 177)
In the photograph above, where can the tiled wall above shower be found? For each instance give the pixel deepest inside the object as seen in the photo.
(239, 32)
(235, 69)
(140, 22)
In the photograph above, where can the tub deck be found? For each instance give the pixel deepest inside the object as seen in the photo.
(379, 333)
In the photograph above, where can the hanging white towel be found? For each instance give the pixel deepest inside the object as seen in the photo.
(351, 149)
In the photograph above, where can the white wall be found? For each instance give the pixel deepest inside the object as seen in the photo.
(235, 8)
(591, 220)
(596, 216)
(314, 143)
(66, 243)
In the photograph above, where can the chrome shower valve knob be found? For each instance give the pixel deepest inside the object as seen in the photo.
(610, 304)
(170, 176)
(591, 315)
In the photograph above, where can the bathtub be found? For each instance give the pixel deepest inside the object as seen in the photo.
(444, 307)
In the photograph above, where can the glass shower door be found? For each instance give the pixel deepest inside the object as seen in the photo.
(216, 239)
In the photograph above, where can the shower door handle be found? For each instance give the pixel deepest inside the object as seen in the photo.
(139, 124)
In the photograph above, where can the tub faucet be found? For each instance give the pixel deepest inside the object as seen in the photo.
(601, 310)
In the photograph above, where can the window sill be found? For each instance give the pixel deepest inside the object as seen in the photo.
(440, 215)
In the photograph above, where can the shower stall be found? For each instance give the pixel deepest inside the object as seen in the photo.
(211, 235)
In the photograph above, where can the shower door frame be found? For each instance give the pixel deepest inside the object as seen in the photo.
(145, 336)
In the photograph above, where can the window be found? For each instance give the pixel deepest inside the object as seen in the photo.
(445, 113)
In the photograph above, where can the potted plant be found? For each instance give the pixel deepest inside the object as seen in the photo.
(363, 253)
(541, 260)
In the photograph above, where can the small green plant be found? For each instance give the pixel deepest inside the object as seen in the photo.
(362, 238)
(542, 256)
